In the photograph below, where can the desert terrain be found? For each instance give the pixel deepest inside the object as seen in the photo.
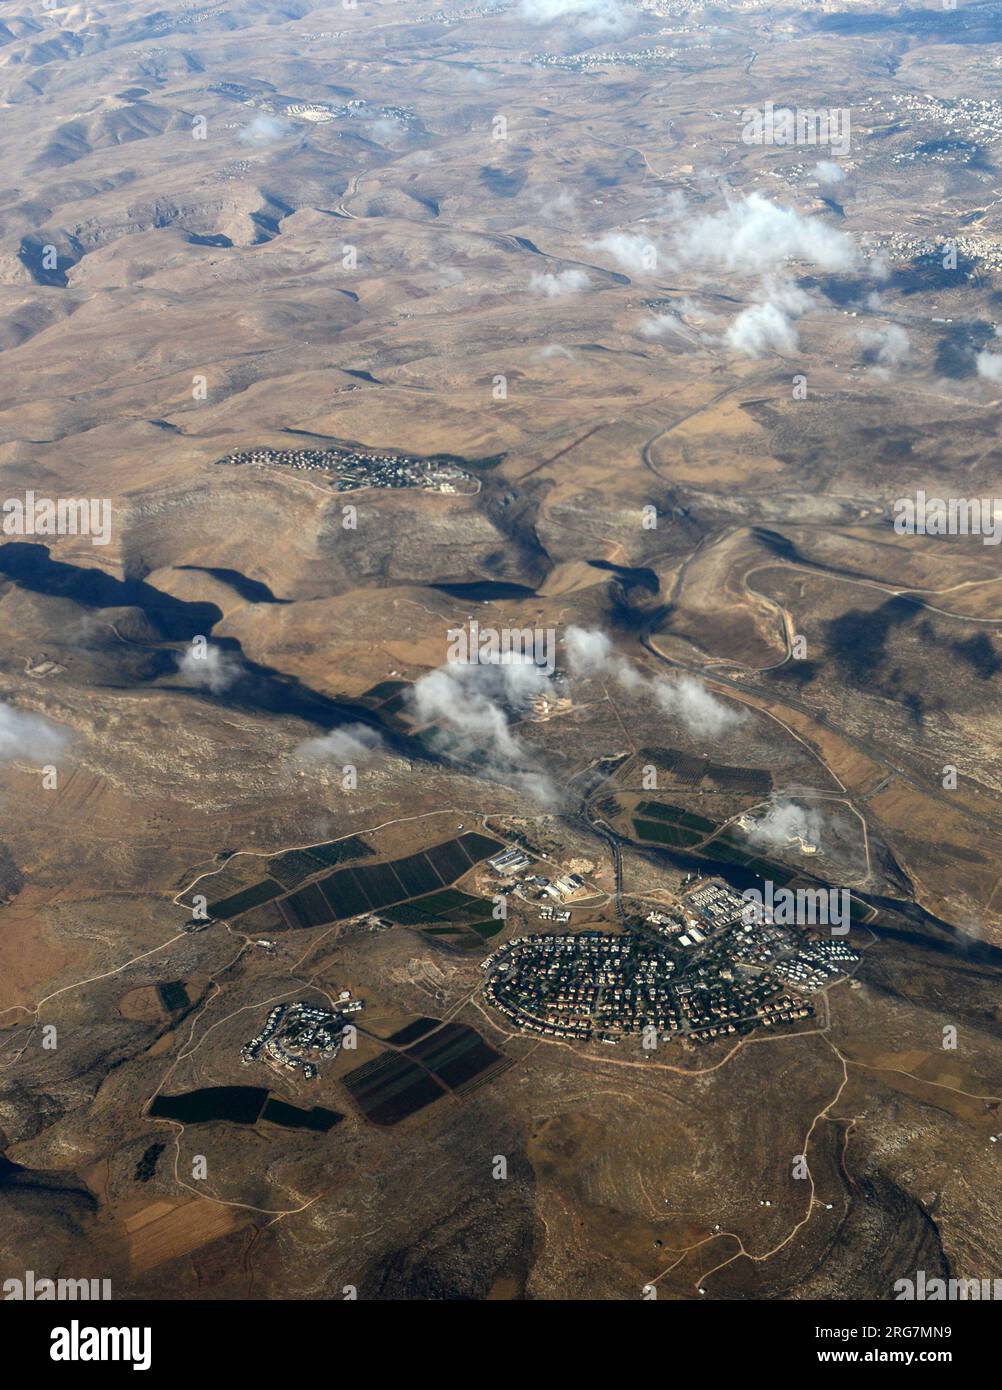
(361, 325)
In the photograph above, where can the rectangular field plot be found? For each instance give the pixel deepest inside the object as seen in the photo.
(688, 770)
(246, 899)
(391, 1087)
(167, 1230)
(344, 895)
(310, 905)
(381, 884)
(479, 846)
(750, 780)
(410, 1032)
(455, 1053)
(449, 860)
(417, 875)
(487, 928)
(443, 904)
(662, 810)
(290, 869)
(450, 903)
(340, 851)
(291, 919)
(371, 887)
(664, 834)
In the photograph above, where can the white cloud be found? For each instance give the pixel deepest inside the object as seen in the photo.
(990, 366)
(687, 699)
(635, 253)
(768, 326)
(887, 347)
(385, 130)
(596, 18)
(590, 653)
(29, 737)
(569, 281)
(210, 667)
(752, 234)
(265, 129)
(472, 706)
(672, 324)
(664, 326)
(560, 206)
(828, 173)
(763, 328)
(352, 743)
(786, 825)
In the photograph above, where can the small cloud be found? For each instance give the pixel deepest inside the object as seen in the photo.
(385, 130)
(761, 329)
(596, 18)
(989, 366)
(672, 324)
(828, 173)
(265, 130)
(663, 326)
(886, 347)
(635, 253)
(696, 707)
(769, 326)
(27, 737)
(474, 77)
(472, 708)
(590, 653)
(352, 743)
(785, 825)
(570, 281)
(751, 234)
(210, 667)
(560, 207)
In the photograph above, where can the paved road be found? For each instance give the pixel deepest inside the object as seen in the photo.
(607, 834)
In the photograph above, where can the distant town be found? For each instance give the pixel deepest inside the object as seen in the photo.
(315, 111)
(358, 468)
(457, 16)
(645, 59)
(700, 973)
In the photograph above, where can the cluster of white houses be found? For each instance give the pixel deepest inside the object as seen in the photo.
(295, 1037)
